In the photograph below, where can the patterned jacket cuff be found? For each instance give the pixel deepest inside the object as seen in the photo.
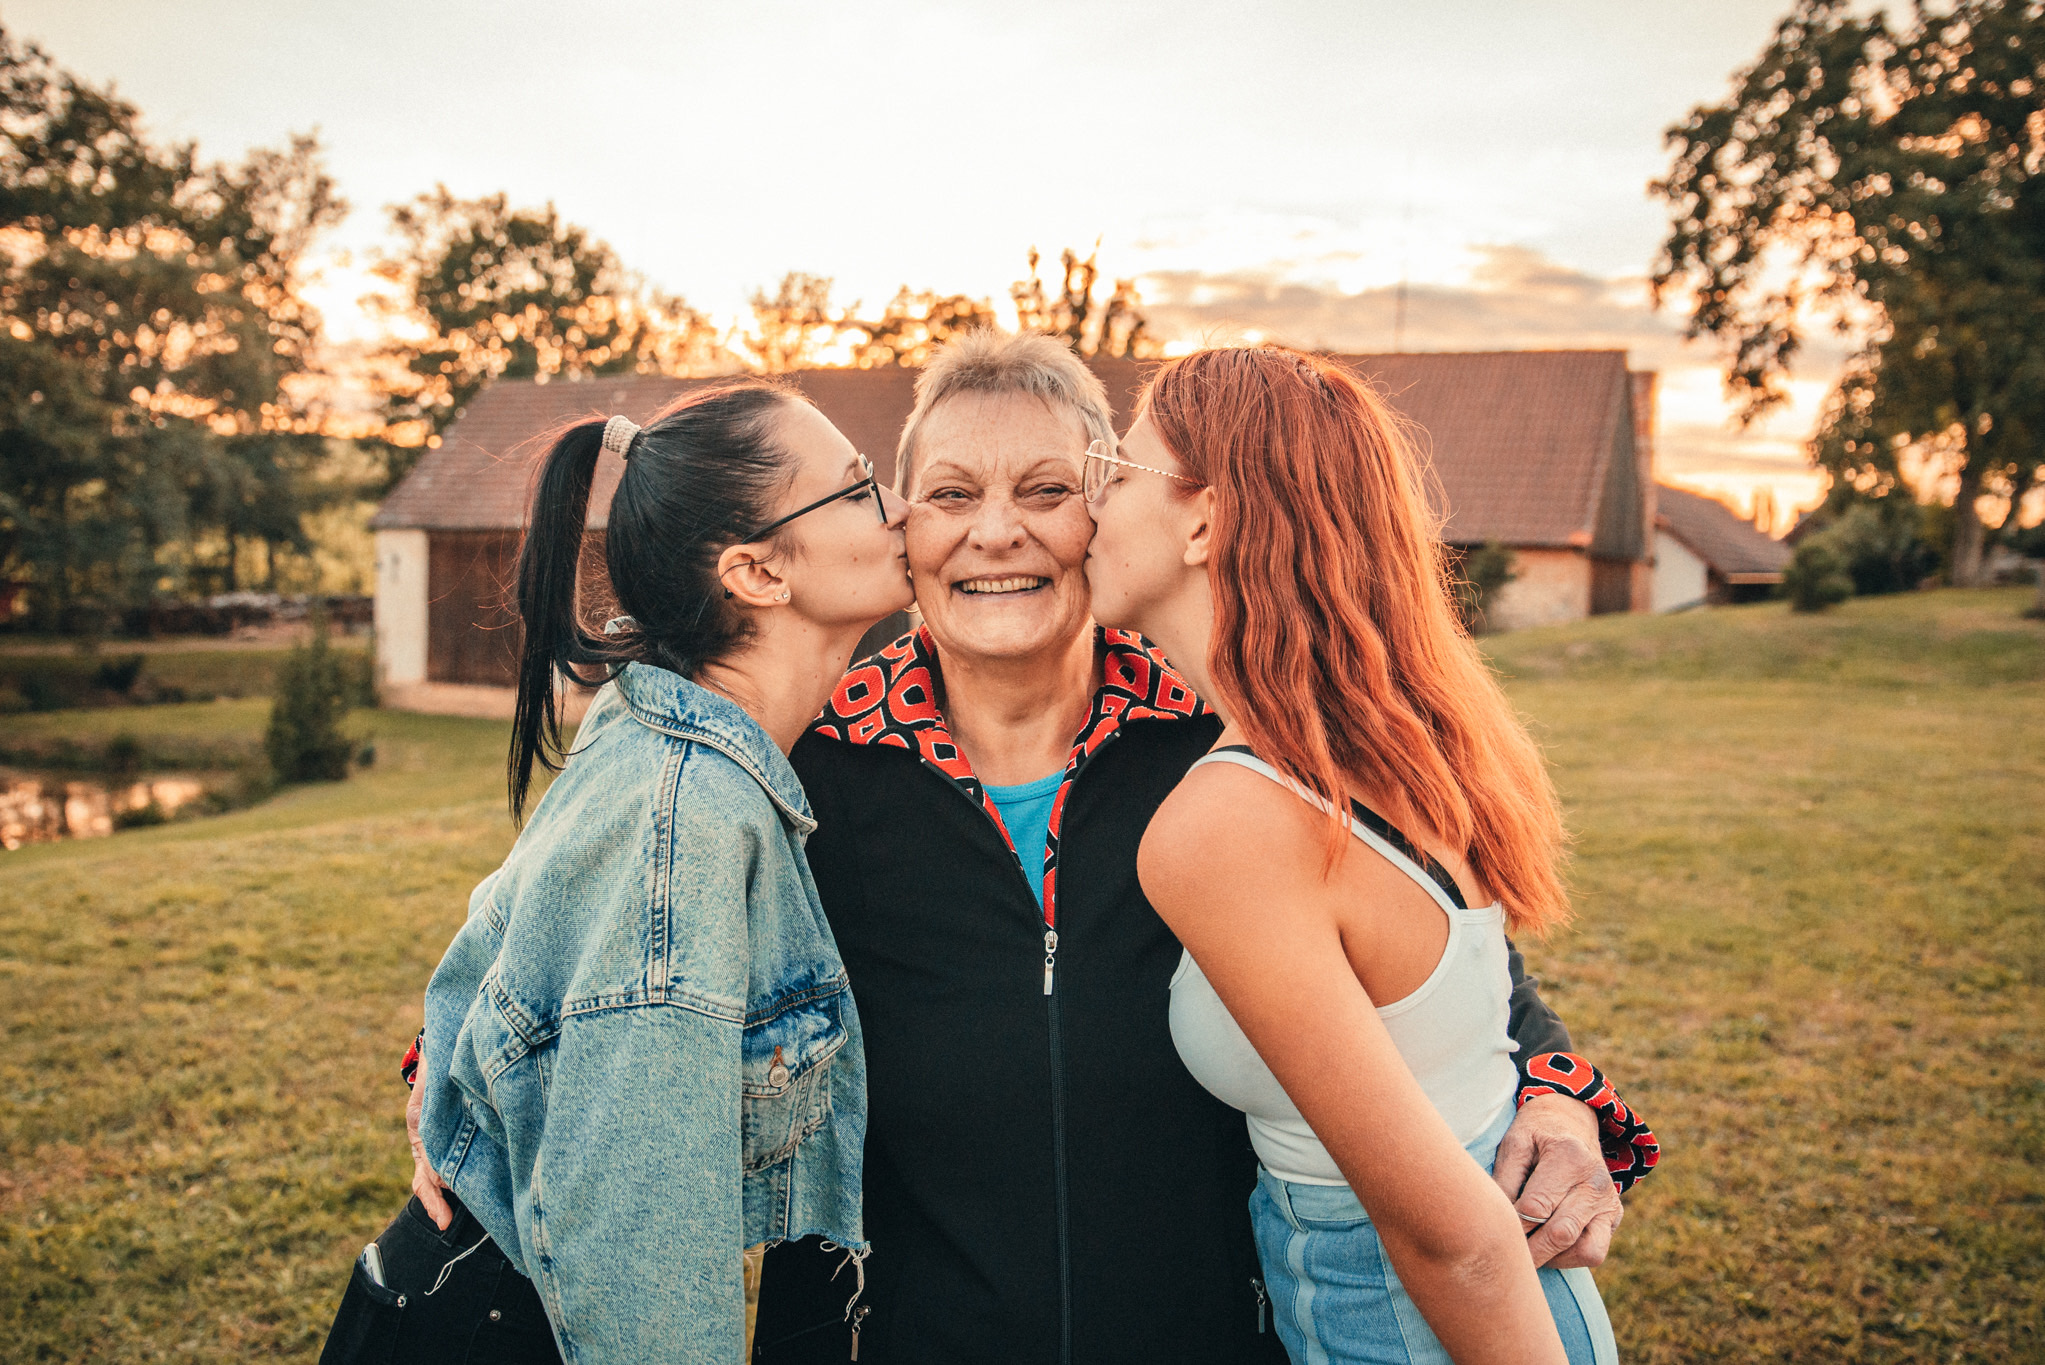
(409, 1068)
(1629, 1147)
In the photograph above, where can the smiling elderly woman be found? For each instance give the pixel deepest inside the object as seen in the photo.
(1045, 1182)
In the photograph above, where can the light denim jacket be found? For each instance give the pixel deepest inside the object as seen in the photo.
(642, 1055)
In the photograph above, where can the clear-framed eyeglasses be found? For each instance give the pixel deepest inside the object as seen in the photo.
(1101, 466)
(866, 487)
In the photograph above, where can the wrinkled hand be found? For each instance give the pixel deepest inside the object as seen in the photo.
(1550, 1167)
(426, 1182)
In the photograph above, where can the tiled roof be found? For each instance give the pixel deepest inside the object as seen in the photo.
(1519, 441)
(479, 477)
(1716, 534)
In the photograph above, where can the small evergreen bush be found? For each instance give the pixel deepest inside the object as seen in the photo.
(1816, 577)
(1480, 576)
(315, 688)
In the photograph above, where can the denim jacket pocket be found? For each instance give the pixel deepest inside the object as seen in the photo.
(785, 1069)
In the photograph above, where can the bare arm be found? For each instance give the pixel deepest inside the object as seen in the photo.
(1233, 864)
(426, 1182)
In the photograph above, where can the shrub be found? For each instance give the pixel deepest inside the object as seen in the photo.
(314, 689)
(124, 754)
(1481, 574)
(1816, 577)
(1889, 544)
(363, 689)
(45, 691)
(136, 817)
(118, 675)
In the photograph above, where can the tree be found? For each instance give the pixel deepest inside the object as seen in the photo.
(150, 336)
(915, 324)
(1887, 182)
(486, 291)
(1117, 330)
(795, 325)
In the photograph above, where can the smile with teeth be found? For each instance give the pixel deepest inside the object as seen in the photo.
(1013, 583)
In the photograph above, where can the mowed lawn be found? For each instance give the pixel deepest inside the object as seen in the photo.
(1810, 873)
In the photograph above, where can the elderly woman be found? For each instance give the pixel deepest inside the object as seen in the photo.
(1045, 1182)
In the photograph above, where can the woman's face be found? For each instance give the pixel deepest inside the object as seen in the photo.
(848, 567)
(997, 526)
(1137, 566)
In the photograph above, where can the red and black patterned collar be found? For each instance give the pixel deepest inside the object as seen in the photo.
(891, 698)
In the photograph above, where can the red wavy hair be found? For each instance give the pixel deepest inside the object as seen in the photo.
(1336, 648)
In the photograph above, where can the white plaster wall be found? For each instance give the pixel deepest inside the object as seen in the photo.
(1553, 586)
(1681, 579)
(401, 606)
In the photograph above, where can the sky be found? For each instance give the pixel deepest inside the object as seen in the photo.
(1271, 171)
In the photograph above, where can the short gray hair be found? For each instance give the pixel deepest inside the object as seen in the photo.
(986, 361)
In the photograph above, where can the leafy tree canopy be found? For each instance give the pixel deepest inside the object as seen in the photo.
(1884, 178)
(915, 323)
(486, 291)
(150, 329)
(798, 325)
(1117, 328)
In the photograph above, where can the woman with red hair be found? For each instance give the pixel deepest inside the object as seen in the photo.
(1263, 523)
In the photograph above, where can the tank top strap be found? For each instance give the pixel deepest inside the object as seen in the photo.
(1364, 822)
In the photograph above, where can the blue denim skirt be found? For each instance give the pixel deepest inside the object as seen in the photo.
(1336, 1298)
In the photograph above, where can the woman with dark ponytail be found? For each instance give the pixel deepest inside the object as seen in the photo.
(640, 1055)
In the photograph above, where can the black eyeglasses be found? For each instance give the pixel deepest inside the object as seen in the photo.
(869, 484)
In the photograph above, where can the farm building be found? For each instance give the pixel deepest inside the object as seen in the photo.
(1547, 452)
(1704, 552)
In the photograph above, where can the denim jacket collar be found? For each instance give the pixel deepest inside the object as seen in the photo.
(666, 701)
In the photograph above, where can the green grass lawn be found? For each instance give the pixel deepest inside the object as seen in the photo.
(1810, 873)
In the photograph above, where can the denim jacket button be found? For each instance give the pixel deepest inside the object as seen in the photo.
(778, 1077)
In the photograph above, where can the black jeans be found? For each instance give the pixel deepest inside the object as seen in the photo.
(482, 1310)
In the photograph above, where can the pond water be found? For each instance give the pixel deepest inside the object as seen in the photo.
(38, 809)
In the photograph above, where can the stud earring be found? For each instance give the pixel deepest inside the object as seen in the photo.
(784, 595)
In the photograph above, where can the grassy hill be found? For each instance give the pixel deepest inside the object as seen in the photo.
(1810, 874)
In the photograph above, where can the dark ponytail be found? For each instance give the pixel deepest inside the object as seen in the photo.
(698, 478)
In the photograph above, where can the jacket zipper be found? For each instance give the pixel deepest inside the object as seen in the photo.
(1058, 1169)
(1058, 1163)
(1257, 1285)
(1063, 1199)
(858, 1320)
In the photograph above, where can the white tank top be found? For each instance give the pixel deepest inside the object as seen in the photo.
(1452, 1031)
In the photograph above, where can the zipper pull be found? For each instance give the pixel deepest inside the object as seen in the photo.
(1258, 1285)
(1050, 956)
(858, 1317)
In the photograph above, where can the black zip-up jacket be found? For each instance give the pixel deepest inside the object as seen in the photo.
(1045, 1182)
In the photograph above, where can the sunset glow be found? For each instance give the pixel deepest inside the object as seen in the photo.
(1273, 181)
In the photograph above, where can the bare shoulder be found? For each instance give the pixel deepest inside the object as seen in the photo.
(1225, 830)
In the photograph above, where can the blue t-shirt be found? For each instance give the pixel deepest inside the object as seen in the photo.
(1026, 810)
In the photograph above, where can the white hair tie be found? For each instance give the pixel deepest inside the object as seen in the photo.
(618, 435)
